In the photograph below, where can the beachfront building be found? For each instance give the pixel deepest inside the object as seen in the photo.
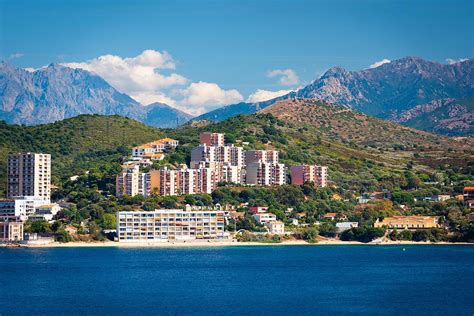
(21, 208)
(11, 231)
(29, 174)
(343, 226)
(408, 222)
(275, 227)
(170, 224)
(154, 149)
(309, 173)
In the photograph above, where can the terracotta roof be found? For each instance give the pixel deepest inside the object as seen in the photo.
(468, 188)
(330, 214)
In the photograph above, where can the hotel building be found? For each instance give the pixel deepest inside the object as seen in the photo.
(309, 173)
(169, 225)
(29, 174)
(408, 222)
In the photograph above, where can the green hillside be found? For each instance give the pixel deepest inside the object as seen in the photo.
(78, 144)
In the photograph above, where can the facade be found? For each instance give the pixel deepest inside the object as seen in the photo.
(29, 174)
(309, 173)
(153, 149)
(45, 212)
(275, 227)
(21, 207)
(131, 181)
(11, 231)
(212, 139)
(261, 173)
(408, 222)
(229, 154)
(265, 156)
(263, 218)
(258, 209)
(169, 225)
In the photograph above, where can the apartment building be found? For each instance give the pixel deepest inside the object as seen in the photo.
(408, 222)
(153, 149)
(226, 154)
(309, 173)
(29, 174)
(264, 156)
(131, 181)
(169, 225)
(275, 227)
(212, 139)
(261, 173)
(263, 218)
(21, 208)
(181, 181)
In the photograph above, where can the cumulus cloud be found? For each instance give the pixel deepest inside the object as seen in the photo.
(379, 63)
(150, 77)
(287, 77)
(16, 55)
(455, 61)
(200, 97)
(264, 95)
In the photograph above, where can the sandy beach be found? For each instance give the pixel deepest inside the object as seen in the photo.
(229, 243)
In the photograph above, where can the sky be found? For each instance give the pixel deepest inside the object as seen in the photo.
(200, 55)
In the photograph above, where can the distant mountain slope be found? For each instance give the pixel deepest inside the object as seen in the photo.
(57, 92)
(393, 87)
(348, 126)
(446, 116)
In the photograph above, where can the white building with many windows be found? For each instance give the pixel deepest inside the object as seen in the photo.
(169, 225)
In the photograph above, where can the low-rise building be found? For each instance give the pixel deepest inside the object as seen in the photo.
(263, 218)
(11, 231)
(170, 224)
(258, 209)
(275, 227)
(468, 193)
(21, 207)
(330, 216)
(408, 222)
(343, 226)
(157, 146)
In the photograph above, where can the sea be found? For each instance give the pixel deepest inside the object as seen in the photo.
(239, 280)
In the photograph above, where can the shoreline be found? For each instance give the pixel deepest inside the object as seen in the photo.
(201, 244)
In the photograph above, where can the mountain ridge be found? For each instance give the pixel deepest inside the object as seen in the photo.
(57, 92)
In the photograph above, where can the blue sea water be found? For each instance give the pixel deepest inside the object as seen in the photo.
(276, 280)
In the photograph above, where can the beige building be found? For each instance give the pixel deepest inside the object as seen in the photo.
(275, 227)
(408, 222)
(11, 231)
(169, 225)
(29, 174)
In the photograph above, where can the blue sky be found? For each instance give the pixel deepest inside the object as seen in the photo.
(219, 52)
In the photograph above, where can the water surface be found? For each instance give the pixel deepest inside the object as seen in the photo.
(310, 280)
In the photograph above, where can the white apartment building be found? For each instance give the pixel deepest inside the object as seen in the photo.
(275, 227)
(29, 174)
(263, 218)
(170, 224)
(154, 149)
(21, 208)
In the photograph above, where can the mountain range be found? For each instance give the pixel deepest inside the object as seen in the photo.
(414, 92)
(56, 92)
(386, 91)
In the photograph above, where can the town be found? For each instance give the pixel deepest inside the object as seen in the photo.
(213, 164)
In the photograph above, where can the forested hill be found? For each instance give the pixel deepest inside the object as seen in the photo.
(95, 143)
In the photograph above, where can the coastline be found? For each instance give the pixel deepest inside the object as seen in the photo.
(201, 244)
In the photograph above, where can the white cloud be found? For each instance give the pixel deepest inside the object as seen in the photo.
(455, 61)
(288, 77)
(379, 63)
(264, 95)
(16, 55)
(142, 78)
(200, 97)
